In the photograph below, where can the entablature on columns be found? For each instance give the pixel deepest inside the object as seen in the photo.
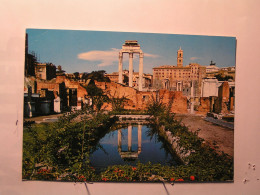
(131, 47)
(131, 50)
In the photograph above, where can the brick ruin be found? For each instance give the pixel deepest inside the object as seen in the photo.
(73, 95)
(41, 95)
(221, 104)
(138, 100)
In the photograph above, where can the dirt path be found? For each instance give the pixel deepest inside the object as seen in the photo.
(222, 136)
(39, 119)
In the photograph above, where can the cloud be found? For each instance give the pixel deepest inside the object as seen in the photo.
(107, 58)
(151, 55)
(194, 58)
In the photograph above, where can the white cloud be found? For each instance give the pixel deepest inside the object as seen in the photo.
(194, 58)
(106, 57)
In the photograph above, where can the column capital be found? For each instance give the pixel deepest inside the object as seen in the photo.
(131, 54)
(141, 55)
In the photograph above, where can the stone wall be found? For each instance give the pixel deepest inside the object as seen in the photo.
(176, 99)
(204, 107)
(50, 85)
(117, 90)
(138, 100)
(222, 101)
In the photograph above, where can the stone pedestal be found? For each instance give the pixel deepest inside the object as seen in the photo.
(57, 105)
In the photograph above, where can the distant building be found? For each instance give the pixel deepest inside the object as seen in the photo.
(59, 71)
(179, 78)
(214, 71)
(212, 68)
(45, 71)
(228, 71)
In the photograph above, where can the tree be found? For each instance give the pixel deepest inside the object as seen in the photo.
(126, 79)
(97, 95)
(84, 76)
(223, 78)
(76, 75)
(98, 76)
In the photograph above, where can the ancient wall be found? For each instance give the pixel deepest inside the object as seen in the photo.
(224, 91)
(222, 101)
(60, 85)
(117, 90)
(30, 82)
(81, 91)
(176, 99)
(51, 85)
(204, 107)
(143, 99)
(138, 100)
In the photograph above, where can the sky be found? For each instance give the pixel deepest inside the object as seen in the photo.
(87, 51)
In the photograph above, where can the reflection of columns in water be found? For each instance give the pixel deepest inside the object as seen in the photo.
(130, 138)
(119, 137)
(129, 134)
(139, 138)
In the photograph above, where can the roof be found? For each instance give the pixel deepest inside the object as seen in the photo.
(171, 67)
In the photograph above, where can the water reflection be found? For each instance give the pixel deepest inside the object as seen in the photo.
(135, 143)
(130, 155)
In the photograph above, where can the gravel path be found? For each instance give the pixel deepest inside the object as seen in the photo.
(223, 137)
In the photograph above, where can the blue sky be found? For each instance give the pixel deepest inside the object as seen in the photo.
(86, 51)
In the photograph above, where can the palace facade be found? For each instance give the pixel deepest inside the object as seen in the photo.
(180, 78)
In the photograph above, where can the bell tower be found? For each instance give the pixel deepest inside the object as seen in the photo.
(180, 58)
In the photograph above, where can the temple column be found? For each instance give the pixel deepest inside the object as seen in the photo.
(130, 69)
(139, 138)
(120, 68)
(119, 137)
(140, 84)
(129, 138)
(192, 107)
